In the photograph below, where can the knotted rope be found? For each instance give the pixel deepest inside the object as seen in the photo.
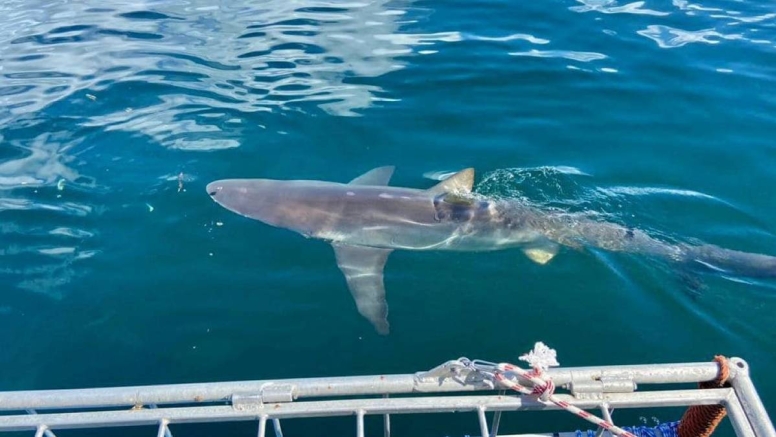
(540, 358)
(702, 420)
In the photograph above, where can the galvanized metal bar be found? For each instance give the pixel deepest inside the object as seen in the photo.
(360, 423)
(495, 424)
(667, 398)
(738, 417)
(750, 400)
(42, 429)
(496, 418)
(607, 415)
(386, 422)
(278, 429)
(483, 421)
(336, 386)
(262, 426)
(162, 427)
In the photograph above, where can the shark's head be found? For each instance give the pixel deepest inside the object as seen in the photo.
(296, 205)
(254, 198)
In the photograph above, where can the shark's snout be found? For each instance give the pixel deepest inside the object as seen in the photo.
(255, 198)
(213, 188)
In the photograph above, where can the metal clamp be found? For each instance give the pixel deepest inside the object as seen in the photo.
(595, 388)
(270, 393)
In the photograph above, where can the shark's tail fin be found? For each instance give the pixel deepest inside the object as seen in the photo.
(723, 260)
(610, 236)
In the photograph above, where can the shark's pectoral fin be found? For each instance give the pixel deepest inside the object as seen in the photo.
(376, 176)
(363, 269)
(541, 255)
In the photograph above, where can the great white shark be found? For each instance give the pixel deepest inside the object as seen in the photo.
(365, 220)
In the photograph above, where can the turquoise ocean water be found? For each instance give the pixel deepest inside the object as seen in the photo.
(116, 268)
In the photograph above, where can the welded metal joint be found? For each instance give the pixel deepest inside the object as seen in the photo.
(483, 421)
(749, 399)
(360, 423)
(163, 431)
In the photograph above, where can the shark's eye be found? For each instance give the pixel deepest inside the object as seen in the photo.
(213, 193)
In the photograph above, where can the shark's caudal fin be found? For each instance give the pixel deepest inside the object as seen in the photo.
(715, 258)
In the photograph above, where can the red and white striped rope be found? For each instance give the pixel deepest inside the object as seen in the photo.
(545, 388)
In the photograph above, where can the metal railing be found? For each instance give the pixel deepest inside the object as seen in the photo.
(592, 388)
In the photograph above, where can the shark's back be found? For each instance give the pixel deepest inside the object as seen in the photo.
(374, 216)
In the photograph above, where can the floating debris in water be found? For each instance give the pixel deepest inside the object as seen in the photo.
(91, 97)
(150, 208)
(61, 185)
(219, 223)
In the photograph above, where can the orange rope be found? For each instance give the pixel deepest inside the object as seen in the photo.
(702, 420)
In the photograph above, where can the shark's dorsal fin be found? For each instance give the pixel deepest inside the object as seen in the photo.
(376, 176)
(461, 182)
(363, 270)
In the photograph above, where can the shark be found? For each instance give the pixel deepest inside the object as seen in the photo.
(365, 220)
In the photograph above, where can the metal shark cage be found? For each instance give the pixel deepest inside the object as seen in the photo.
(450, 387)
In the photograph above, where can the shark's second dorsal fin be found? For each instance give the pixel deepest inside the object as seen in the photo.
(461, 182)
(376, 176)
